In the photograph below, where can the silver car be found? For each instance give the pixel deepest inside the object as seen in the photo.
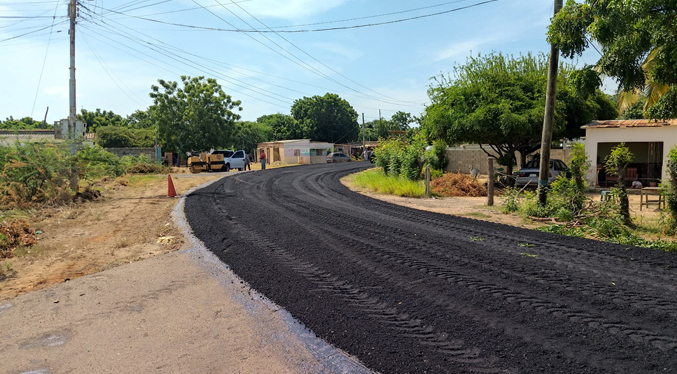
(338, 157)
(529, 175)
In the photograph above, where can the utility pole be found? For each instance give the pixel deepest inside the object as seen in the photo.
(548, 119)
(363, 142)
(72, 117)
(44, 121)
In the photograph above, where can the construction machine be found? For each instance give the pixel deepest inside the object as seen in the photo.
(205, 162)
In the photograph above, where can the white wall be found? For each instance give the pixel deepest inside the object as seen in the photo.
(666, 134)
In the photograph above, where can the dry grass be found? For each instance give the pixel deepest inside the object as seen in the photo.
(457, 184)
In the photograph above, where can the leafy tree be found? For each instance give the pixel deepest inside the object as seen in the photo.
(616, 164)
(639, 45)
(140, 119)
(326, 118)
(123, 137)
(197, 117)
(249, 134)
(100, 118)
(282, 126)
(402, 120)
(636, 110)
(26, 123)
(499, 101)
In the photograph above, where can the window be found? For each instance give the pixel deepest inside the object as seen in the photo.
(238, 154)
(297, 153)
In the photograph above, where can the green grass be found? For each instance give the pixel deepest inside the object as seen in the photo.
(375, 180)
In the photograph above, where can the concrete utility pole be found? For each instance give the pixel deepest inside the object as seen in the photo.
(72, 117)
(44, 121)
(548, 119)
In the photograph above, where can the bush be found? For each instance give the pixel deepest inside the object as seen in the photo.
(95, 162)
(34, 174)
(123, 137)
(437, 157)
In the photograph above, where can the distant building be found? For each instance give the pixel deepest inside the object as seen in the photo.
(297, 151)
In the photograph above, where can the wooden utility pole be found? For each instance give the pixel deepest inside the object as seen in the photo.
(490, 182)
(44, 121)
(427, 181)
(363, 142)
(548, 119)
(72, 117)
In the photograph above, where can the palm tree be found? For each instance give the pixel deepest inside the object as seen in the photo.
(651, 90)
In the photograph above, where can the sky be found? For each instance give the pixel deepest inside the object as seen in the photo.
(124, 46)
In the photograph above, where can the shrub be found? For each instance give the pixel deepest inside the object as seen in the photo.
(95, 162)
(34, 174)
(617, 163)
(123, 137)
(437, 157)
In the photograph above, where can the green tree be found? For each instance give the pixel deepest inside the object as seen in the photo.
(401, 121)
(499, 101)
(123, 137)
(140, 119)
(282, 126)
(639, 45)
(99, 118)
(249, 134)
(616, 164)
(327, 118)
(197, 117)
(25, 123)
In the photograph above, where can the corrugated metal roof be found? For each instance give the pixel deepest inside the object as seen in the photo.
(630, 123)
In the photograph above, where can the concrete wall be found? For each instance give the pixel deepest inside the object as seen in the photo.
(148, 152)
(463, 159)
(666, 135)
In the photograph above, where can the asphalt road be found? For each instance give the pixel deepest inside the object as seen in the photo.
(409, 291)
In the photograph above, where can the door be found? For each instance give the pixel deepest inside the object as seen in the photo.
(237, 160)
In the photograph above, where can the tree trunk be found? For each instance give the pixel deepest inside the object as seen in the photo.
(623, 197)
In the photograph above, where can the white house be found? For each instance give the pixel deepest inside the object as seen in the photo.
(295, 151)
(650, 141)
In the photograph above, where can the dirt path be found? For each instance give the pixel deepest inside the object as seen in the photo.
(409, 291)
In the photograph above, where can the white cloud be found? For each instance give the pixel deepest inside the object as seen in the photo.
(462, 49)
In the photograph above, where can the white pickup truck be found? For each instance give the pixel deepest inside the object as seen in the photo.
(236, 161)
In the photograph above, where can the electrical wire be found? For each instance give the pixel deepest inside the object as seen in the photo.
(312, 57)
(307, 30)
(44, 61)
(24, 34)
(104, 66)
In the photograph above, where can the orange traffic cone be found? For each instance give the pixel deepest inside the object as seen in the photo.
(171, 192)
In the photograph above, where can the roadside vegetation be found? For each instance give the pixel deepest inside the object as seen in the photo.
(569, 211)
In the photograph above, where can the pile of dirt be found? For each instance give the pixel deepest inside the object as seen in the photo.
(87, 195)
(458, 185)
(14, 234)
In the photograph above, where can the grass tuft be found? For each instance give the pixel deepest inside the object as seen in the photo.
(375, 180)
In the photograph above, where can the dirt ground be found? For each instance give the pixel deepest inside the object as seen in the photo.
(476, 207)
(80, 239)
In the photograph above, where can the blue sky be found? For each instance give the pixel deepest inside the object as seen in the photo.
(385, 67)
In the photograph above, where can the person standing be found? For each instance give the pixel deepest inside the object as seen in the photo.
(247, 165)
(263, 160)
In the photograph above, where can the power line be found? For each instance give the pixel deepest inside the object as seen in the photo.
(44, 61)
(27, 33)
(306, 30)
(312, 57)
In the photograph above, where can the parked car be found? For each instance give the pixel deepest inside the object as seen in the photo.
(236, 161)
(529, 174)
(338, 157)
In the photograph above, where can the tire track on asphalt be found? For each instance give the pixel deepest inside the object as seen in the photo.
(341, 261)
